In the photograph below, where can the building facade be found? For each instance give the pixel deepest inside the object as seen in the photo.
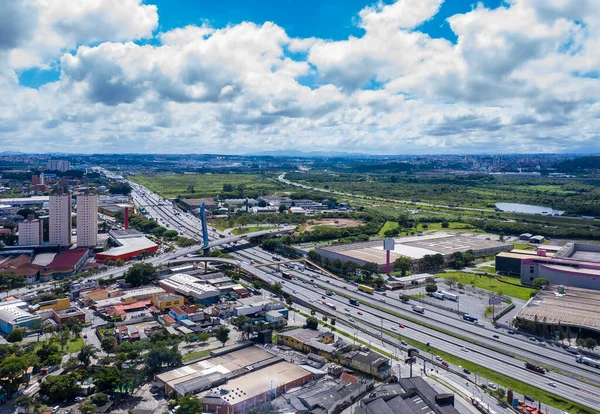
(60, 219)
(31, 232)
(87, 220)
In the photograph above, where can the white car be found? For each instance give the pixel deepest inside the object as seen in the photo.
(552, 384)
(394, 328)
(464, 349)
(492, 385)
(438, 358)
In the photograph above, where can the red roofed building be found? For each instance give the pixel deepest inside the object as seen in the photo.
(168, 319)
(121, 310)
(65, 264)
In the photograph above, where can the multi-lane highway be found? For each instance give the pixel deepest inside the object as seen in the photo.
(478, 344)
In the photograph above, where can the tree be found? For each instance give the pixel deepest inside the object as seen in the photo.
(140, 274)
(451, 281)
(263, 203)
(469, 257)
(403, 264)
(9, 281)
(240, 321)
(86, 353)
(60, 387)
(445, 224)
(312, 323)
(120, 187)
(277, 288)
(289, 301)
(370, 268)
(108, 378)
(313, 256)
(161, 354)
(189, 405)
(540, 282)
(170, 234)
(431, 288)
(45, 351)
(282, 208)
(203, 337)
(256, 284)
(227, 188)
(457, 260)
(76, 329)
(15, 336)
(590, 343)
(100, 399)
(222, 334)
(11, 372)
(460, 285)
(63, 337)
(87, 408)
(108, 344)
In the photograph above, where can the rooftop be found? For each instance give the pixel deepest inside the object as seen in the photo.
(68, 258)
(578, 308)
(129, 245)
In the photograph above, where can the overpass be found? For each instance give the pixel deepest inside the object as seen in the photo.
(234, 239)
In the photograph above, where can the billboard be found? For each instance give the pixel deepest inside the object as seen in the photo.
(388, 244)
(495, 300)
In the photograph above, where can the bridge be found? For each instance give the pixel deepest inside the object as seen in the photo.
(233, 239)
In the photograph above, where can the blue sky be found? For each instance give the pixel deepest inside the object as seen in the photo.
(237, 76)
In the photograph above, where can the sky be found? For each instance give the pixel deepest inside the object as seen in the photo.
(243, 76)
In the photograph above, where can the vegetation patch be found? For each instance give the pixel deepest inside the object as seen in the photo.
(489, 283)
(243, 230)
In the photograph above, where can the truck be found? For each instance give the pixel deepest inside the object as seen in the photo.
(438, 295)
(587, 361)
(367, 289)
(449, 296)
(470, 318)
(331, 305)
(535, 367)
(573, 349)
(353, 302)
(418, 309)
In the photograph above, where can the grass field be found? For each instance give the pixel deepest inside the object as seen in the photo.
(489, 269)
(523, 246)
(243, 230)
(196, 354)
(389, 225)
(74, 345)
(490, 283)
(452, 226)
(207, 185)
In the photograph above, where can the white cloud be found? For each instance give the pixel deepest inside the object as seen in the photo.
(521, 77)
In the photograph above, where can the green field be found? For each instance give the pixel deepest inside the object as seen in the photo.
(74, 345)
(208, 185)
(196, 354)
(389, 225)
(510, 288)
(243, 230)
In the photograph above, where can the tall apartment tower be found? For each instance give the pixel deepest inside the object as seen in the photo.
(87, 220)
(60, 219)
(31, 232)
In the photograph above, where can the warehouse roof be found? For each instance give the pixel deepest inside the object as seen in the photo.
(68, 258)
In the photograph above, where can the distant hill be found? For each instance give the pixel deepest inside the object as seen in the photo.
(310, 154)
(12, 153)
(582, 163)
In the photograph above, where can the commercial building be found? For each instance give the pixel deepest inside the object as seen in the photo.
(60, 219)
(250, 307)
(67, 315)
(66, 263)
(131, 243)
(167, 301)
(191, 287)
(31, 232)
(14, 314)
(26, 201)
(368, 362)
(87, 220)
(54, 304)
(415, 247)
(575, 264)
(20, 266)
(235, 379)
(308, 340)
(407, 396)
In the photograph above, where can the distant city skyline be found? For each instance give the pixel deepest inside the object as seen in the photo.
(398, 77)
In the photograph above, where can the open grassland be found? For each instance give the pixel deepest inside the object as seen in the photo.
(333, 223)
(208, 185)
(243, 230)
(512, 288)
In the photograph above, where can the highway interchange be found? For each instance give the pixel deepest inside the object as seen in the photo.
(495, 354)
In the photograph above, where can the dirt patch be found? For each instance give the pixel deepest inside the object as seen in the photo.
(334, 223)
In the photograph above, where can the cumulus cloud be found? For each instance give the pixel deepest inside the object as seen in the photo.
(517, 75)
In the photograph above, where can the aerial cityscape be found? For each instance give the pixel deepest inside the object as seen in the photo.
(261, 206)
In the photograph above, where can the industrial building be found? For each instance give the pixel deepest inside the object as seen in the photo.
(31, 232)
(60, 219)
(26, 201)
(65, 264)
(408, 396)
(131, 243)
(14, 314)
(415, 247)
(87, 220)
(191, 287)
(235, 378)
(565, 307)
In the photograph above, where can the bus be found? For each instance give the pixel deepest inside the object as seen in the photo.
(367, 289)
(470, 318)
(353, 302)
(449, 296)
(418, 309)
(438, 295)
(286, 275)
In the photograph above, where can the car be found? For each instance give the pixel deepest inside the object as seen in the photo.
(401, 326)
(79, 399)
(404, 343)
(444, 363)
(528, 398)
(496, 336)
(359, 313)
(464, 349)
(438, 358)
(466, 371)
(384, 294)
(382, 299)
(323, 297)
(347, 309)
(492, 385)
(351, 320)
(511, 332)
(68, 410)
(283, 282)
(552, 384)
(532, 338)
(541, 343)
(394, 328)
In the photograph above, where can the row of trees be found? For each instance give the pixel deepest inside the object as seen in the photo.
(367, 273)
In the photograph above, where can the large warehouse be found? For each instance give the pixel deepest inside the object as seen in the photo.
(575, 264)
(131, 243)
(415, 247)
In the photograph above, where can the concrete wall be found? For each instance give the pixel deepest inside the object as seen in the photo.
(530, 272)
